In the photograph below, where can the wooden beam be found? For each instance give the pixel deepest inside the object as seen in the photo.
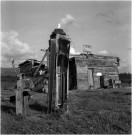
(52, 58)
(57, 75)
(19, 102)
(41, 62)
(44, 50)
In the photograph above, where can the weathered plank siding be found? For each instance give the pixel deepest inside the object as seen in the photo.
(107, 65)
(82, 81)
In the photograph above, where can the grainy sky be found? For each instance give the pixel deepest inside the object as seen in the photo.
(105, 25)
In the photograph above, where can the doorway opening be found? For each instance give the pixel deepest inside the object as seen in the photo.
(102, 81)
(90, 78)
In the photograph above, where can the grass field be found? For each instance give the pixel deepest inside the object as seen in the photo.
(105, 111)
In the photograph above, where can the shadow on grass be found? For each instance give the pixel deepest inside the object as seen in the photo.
(128, 93)
(38, 107)
(121, 93)
(8, 109)
(55, 114)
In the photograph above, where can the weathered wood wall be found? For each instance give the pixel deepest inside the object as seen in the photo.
(107, 65)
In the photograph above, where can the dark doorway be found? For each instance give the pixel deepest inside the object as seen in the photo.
(90, 78)
(110, 83)
(102, 81)
(72, 74)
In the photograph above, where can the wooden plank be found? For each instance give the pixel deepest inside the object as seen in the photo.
(52, 57)
(67, 94)
(19, 102)
(57, 75)
(64, 37)
(57, 86)
(64, 88)
(90, 79)
(61, 89)
(68, 78)
(68, 81)
(25, 106)
(41, 63)
(48, 58)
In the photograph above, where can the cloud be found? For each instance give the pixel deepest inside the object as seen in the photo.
(13, 48)
(108, 17)
(104, 52)
(72, 51)
(123, 63)
(129, 49)
(124, 66)
(68, 20)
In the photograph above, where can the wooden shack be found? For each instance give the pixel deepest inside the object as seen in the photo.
(89, 71)
(29, 67)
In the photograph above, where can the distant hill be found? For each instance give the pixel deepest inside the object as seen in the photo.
(8, 71)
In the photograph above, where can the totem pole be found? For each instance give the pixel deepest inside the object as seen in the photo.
(58, 59)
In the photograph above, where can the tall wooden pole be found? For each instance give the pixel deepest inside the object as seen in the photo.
(67, 96)
(19, 97)
(52, 57)
(57, 74)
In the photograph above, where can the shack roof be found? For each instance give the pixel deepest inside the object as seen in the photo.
(29, 61)
(92, 55)
(92, 60)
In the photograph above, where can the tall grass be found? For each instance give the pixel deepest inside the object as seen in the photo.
(106, 111)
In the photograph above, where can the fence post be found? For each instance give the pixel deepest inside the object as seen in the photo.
(19, 96)
(21, 100)
(25, 106)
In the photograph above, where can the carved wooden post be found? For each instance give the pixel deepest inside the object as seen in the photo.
(67, 94)
(21, 100)
(25, 106)
(90, 79)
(57, 75)
(52, 57)
(19, 96)
(48, 58)
(59, 45)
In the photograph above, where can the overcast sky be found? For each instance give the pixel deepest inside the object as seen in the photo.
(105, 25)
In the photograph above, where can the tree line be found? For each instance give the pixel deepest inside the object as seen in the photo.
(125, 77)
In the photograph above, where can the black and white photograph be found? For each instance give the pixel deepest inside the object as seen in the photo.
(65, 67)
